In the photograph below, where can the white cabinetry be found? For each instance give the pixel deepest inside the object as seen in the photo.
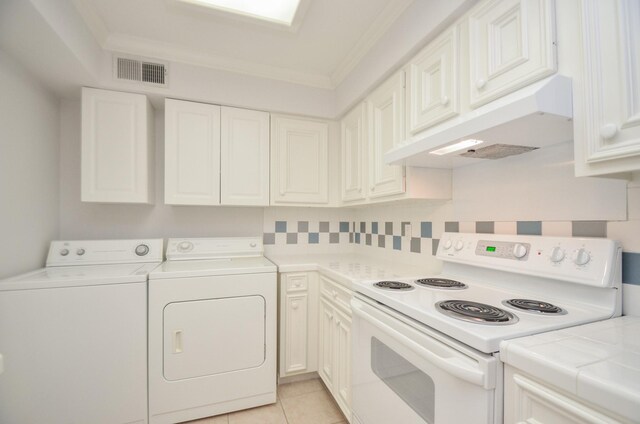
(215, 155)
(117, 147)
(530, 401)
(607, 116)
(299, 160)
(335, 341)
(433, 82)
(511, 45)
(244, 162)
(192, 153)
(298, 323)
(354, 158)
(386, 130)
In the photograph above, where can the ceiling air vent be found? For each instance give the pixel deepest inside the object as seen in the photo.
(140, 70)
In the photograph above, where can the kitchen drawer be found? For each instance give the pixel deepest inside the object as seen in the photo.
(297, 282)
(336, 293)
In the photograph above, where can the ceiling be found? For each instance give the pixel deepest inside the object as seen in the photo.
(327, 42)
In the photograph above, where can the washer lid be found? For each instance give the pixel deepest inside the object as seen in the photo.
(77, 276)
(212, 267)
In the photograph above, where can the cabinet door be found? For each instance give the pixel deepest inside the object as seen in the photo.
(342, 376)
(607, 129)
(386, 130)
(117, 147)
(192, 153)
(353, 154)
(296, 332)
(433, 83)
(326, 343)
(511, 45)
(299, 160)
(244, 164)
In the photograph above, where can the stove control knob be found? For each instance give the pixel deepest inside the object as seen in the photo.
(459, 245)
(581, 257)
(142, 249)
(447, 244)
(64, 252)
(519, 250)
(557, 254)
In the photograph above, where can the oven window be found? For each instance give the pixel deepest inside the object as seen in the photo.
(412, 385)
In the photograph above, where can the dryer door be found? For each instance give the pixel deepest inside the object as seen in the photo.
(213, 336)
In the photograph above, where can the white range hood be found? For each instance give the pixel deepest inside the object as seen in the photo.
(535, 116)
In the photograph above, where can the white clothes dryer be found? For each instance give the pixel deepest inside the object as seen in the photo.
(73, 346)
(212, 329)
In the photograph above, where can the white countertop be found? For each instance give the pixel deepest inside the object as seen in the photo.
(598, 362)
(347, 268)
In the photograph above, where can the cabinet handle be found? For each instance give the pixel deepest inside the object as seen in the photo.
(608, 131)
(294, 305)
(480, 83)
(444, 100)
(177, 341)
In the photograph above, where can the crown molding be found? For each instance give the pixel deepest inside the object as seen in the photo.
(383, 22)
(174, 53)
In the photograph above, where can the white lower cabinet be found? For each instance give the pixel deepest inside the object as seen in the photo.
(335, 341)
(528, 400)
(607, 94)
(117, 147)
(298, 323)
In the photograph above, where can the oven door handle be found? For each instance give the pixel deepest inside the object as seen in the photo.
(453, 364)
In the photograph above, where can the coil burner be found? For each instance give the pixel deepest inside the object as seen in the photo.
(535, 306)
(441, 283)
(479, 313)
(393, 285)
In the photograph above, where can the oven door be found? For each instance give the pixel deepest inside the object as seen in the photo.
(402, 373)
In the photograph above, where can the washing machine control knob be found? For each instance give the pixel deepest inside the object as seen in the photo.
(80, 252)
(142, 249)
(185, 246)
(64, 252)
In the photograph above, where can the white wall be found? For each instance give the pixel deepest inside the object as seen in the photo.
(95, 221)
(28, 169)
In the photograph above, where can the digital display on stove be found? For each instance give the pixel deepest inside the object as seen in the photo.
(491, 248)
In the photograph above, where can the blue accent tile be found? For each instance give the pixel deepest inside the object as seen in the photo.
(281, 226)
(631, 268)
(426, 229)
(344, 227)
(397, 243)
(374, 228)
(529, 228)
(358, 238)
(314, 238)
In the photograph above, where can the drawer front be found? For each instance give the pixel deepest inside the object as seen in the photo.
(337, 294)
(297, 282)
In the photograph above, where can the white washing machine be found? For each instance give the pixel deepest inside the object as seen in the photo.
(73, 341)
(212, 329)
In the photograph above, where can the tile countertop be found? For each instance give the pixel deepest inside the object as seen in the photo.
(598, 362)
(347, 268)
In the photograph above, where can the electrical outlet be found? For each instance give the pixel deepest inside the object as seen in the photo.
(406, 229)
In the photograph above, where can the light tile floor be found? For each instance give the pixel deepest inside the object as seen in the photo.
(303, 402)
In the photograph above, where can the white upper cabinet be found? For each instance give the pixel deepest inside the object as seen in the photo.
(192, 153)
(299, 160)
(607, 116)
(354, 154)
(511, 45)
(386, 130)
(117, 147)
(433, 83)
(244, 157)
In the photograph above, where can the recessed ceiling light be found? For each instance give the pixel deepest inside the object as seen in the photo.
(455, 147)
(277, 11)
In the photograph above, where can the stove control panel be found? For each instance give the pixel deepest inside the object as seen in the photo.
(588, 261)
(503, 249)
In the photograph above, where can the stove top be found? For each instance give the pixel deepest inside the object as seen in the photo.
(507, 287)
(393, 285)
